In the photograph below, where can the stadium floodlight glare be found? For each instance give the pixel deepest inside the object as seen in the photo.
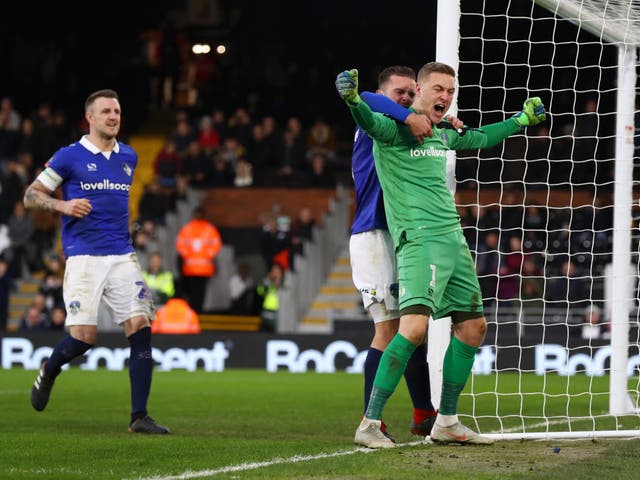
(201, 48)
(571, 53)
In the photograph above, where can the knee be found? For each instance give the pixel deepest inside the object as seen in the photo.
(415, 332)
(384, 333)
(471, 332)
(84, 333)
(135, 324)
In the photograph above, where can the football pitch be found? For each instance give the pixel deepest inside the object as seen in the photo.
(252, 424)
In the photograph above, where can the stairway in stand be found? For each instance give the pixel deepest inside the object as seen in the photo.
(21, 298)
(337, 299)
(147, 146)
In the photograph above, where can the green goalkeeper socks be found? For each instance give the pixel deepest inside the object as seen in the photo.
(392, 366)
(458, 361)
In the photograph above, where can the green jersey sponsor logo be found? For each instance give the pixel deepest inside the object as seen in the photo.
(427, 152)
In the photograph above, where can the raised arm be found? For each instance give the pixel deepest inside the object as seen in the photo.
(376, 125)
(532, 113)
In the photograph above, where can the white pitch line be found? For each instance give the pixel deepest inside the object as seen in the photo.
(298, 459)
(276, 461)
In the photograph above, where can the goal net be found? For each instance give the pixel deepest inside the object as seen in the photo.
(550, 215)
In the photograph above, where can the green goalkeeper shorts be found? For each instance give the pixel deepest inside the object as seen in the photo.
(437, 271)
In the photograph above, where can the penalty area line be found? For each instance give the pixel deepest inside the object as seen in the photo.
(276, 461)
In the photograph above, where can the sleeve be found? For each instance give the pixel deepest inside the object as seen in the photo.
(55, 172)
(484, 137)
(376, 125)
(382, 104)
(50, 179)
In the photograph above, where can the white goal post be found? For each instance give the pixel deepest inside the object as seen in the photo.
(581, 58)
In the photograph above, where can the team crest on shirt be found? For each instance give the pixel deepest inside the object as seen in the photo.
(92, 167)
(443, 137)
(74, 307)
(127, 169)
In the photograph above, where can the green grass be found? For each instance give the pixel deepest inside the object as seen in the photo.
(239, 417)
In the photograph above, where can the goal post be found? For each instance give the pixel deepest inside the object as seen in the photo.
(581, 57)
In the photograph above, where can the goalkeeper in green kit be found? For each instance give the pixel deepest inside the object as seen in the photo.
(436, 273)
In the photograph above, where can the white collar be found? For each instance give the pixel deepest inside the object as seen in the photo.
(86, 143)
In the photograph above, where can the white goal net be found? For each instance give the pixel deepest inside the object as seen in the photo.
(550, 215)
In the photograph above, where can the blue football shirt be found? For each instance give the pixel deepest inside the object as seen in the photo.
(81, 170)
(369, 213)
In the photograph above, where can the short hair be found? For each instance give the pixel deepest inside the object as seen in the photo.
(434, 67)
(105, 93)
(399, 70)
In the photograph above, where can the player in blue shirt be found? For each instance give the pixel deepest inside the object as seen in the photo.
(95, 175)
(371, 248)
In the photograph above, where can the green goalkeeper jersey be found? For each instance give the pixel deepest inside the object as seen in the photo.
(413, 176)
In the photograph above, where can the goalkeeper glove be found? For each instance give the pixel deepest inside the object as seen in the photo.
(532, 113)
(347, 86)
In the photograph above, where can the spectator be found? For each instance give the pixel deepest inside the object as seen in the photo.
(231, 151)
(58, 317)
(592, 328)
(7, 285)
(197, 166)
(488, 266)
(302, 230)
(219, 124)
(259, 151)
(9, 118)
(244, 173)
(198, 242)
(34, 319)
(321, 140)
(28, 140)
(208, 136)
(45, 230)
(5, 240)
(176, 317)
(535, 224)
(22, 250)
(13, 183)
(292, 150)
(242, 291)
(145, 241)
(239, 126)
(159, 281)
(273, 139)
(51, 289)
(183, 135)
(537, 155)
(222, 174)
(585, 154)
(43, 133)
(36, 316)
(275, 241)
(320, 176)
(567, 291)
(167, 164)
(510, 266)
(9, 130)
(267, 291)
(153, 204)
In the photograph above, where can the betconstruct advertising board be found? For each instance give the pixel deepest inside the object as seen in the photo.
(215, 352)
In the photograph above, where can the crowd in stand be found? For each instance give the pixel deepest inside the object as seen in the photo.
(525, 255)
(216, 151)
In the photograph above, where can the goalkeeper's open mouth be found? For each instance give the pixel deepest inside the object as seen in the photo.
(438, 110)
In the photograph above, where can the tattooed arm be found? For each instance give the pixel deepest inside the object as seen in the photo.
(40, 197)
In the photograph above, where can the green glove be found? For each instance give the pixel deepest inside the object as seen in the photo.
(532, 113)
(347, 86)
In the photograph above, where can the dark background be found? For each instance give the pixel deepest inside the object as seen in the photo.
(47, 54)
